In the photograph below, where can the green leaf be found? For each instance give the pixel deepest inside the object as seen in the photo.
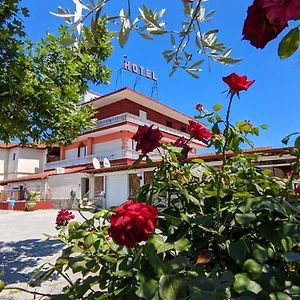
(157, 240)
(171, 287)
(146, 287)
(286, 139)
(243, 283)
(263, 126)
(146, 36)
(182, 244)
(253, 268)
(289, 44)
(165, 247)
(192, 73)
(297, 142)
(41, 274)
(78, 264)
(260, 253)
(280, 296)
(217, 107)
(239, 251)
(91, 239)
(245, 219)
(153, 258)
(172, 39)
(197, 63)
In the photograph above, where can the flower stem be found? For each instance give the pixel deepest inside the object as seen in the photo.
(220, 174)
(227, 128)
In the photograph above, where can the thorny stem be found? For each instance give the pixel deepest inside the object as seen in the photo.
(220, 174)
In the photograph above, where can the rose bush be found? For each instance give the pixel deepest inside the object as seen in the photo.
(230, 232)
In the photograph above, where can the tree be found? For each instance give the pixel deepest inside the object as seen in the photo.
(41, 84)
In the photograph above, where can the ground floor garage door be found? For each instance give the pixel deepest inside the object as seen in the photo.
(116, 189)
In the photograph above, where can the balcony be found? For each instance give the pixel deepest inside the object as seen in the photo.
(127, 117)
(111, 155)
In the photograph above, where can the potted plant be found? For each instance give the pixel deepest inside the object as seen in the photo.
(33, 197)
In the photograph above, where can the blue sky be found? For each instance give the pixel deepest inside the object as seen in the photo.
(273, 98)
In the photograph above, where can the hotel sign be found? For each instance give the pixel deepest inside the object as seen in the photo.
(139, 70)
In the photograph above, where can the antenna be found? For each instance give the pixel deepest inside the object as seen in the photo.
(106, 162)
(96, 163)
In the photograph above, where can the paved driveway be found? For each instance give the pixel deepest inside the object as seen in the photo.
(23, 248)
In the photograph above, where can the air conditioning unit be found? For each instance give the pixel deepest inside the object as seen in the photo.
(59, 170)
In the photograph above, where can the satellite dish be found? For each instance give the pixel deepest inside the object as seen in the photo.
(106, 162)
(96, 163)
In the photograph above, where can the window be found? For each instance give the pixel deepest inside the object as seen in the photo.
(14, 156)
(183, 129)
(81, 150)
(148, 177)
(134, 185)
(99, 186)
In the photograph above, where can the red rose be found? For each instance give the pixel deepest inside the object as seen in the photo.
(258, 29)
(198, 131)
(147, 139)
(281, 10)
(132, 223)
(63, 217)
(182, 143)
(237, 83)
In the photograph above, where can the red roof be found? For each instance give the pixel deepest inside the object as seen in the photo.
(11, 145)
(42, 175)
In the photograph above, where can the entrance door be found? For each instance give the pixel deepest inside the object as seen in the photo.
(85, 188)
(116, 189)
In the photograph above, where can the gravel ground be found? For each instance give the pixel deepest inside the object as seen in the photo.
(23, 248)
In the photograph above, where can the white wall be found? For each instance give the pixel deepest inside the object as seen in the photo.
(61, 185)
(31, 160)
(71, 153)
(114, 145)
(12, 165)
(3, 163)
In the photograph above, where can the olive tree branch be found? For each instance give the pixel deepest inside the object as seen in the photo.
(187, 31)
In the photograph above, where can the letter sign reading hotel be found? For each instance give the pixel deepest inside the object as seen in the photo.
(139, 70)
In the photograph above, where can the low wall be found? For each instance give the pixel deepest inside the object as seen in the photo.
(71, 204)
(21, 205)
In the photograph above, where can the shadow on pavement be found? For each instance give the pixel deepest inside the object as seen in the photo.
(18, 260)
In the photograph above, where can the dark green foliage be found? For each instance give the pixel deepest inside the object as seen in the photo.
(41, 84)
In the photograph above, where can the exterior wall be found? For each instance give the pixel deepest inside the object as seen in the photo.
(60, 187)
(31, 160)
(27, 161)
(32, 185)
(71, 153)
(3, 163)
(107, 146)
(126, 105)
(12, 165)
